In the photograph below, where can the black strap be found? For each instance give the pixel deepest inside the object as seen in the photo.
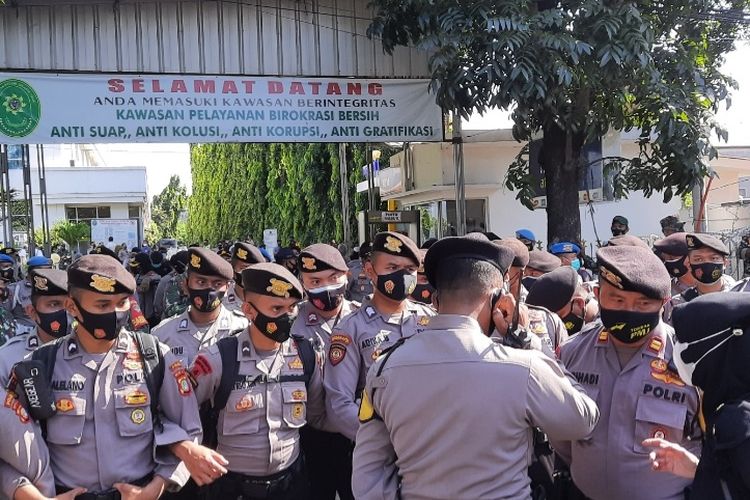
(230, 368)
(306, 353)
(690, 294)
(47, 354)
(153, 370)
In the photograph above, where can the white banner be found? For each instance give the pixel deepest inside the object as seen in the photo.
(121, 230)
(45, 108)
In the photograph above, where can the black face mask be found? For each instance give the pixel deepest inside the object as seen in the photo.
(711, 272)
(573, 322)
(676, 268)
(4, 294)
(528, 282)
(55, 324)
(105, 326)
(206, 299)
(327, 298)
(629, 326)
(397, 285)
(618, 231)
(238, 279)
(7, 274)
(276, 329)
(179, 267)
(423, 293)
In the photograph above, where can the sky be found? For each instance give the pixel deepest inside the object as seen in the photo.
(164, 160)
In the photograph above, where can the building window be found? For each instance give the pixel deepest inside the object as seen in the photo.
(85, 214)
(134, 211)
(438, 218)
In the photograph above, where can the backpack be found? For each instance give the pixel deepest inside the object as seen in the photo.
(151, 358)
(230, 369)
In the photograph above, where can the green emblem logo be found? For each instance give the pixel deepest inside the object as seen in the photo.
(20, 108)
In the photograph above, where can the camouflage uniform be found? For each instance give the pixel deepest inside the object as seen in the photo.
(175, 302)
(7, 326)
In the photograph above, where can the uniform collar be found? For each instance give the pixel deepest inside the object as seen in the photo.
(371, 313)
(453, 322)
(72, 348)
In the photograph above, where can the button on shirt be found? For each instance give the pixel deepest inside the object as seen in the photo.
(103, 431)
(356, 343)
(185, 338)
(456, 412)
(644, 399)
(258, 430)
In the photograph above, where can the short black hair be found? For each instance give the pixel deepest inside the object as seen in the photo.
(467, 280)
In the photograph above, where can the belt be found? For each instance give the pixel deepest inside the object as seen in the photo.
(265, 486)
(110, 494)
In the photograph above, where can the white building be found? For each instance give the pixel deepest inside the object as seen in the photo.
(78, 191)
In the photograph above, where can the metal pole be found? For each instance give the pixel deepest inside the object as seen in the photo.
(458, 161)
(7, 206)
(44, 206)
(3, 173)
(344, 195)
(28, 200)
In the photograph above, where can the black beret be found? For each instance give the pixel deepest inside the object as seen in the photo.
(100, 274)
(626, 240)
(520, 251)
(321, 257)
(271, 279)
(396, 244)
(474, 246)
(49, 282)
(554, 289)
(285, 253)
(247, 253)
(135, 261)
(674, 244)
(365, 249)
(426, 244)
(9, 251)
(634, 269)
(209, 263)
(696, 241)
(541, 260)
(179, 261)
(223, 253)
(619, 219)
(102, 250)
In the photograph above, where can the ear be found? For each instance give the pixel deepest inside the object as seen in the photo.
(596, 292)
(30, 311)
(248, 310)
(71, 307)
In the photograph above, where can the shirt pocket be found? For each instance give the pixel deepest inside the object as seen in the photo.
(243, 413)
(295, 404)
(133, 410)
(655, 418)
(66, 426)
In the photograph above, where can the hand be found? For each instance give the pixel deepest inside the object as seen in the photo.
(70, 495)
(204, 464)
(671, 457)
(502, 315)
(151, 491)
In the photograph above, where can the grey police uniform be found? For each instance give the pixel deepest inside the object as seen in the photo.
(19, 296)
(547, 326)
(185, 338)
(356, 342)
(232, 299)
(411, 446)
(644, 399)
(258, 430)
(15, 350)
(311, 325)
(24, 458)
(359, 287)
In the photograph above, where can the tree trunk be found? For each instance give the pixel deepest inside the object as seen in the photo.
(560, 157)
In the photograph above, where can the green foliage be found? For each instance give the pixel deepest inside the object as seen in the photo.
(39, 238)
(70, 232)
(241, 189)
(578, 69)
(165, 209)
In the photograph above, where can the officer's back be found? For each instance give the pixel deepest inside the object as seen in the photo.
(449, 413)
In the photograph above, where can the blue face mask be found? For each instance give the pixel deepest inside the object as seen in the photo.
(576, 264)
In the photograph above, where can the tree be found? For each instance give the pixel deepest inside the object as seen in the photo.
(166, 208)
(71, 233)
(574, 70)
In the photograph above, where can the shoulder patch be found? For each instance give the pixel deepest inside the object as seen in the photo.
(337, 350)
(183, 324)
(370, 311)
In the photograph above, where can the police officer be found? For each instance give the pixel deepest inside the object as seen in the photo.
(619, 226)
(360, 287)
(49, 290)
(243, 256)
(526, 237)
(25, 471)
(206, 319)
(19, 295)
(269, 397)
(707, 256)
(287, 257)
(7, 268)
(673, 251)
(7, 323)
(105, 435)
(625, 364)
(423, 291)
(409, 443)
(328, 454)
(568, 253)
(169, 298)
(381, 321)
(540, 262)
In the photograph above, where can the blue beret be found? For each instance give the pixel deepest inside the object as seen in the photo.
(525, 234)
(6, 258)
(38, 261)
(564, 247)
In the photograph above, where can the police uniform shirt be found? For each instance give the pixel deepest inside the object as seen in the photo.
(727, 283)
(644, 399)
(19, 296)
(14, 351)
(356, 343)
(103, 432)
(360, 287)
(24, 458)
(311, 325)
(547, 326)
(679, 287)
(258, 430)
(232, 299)
(185, 338)
(159, 294)
(455, 416)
